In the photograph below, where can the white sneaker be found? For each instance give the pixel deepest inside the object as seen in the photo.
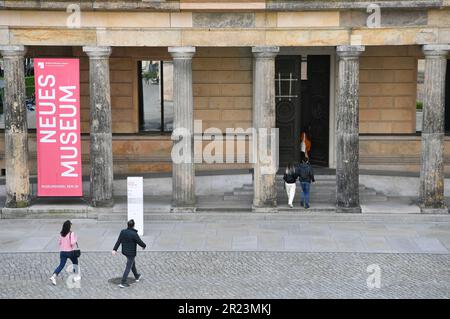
(53, 280)
(291, 206)
(139, 278)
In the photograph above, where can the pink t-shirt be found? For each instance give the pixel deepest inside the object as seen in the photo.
(67, 243)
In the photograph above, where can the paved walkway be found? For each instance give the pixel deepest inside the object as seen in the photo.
(242, 232)
(233, 275)
(328, 256)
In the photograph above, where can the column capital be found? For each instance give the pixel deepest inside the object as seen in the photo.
(12, 50)
(350, 51)
(97, 52)
(184, 53)
(265, 51)
(436, 50)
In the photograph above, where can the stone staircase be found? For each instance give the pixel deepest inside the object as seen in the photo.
(323, 193)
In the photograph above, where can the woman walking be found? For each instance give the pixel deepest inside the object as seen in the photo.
(67, 243)
(290, 177)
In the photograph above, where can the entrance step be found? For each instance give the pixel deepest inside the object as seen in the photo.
(323, 191)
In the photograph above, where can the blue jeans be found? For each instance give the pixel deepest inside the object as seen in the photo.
(64, 255)
(305, 193)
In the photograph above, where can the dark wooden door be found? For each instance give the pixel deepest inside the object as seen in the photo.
(315, 106)
(287, 98)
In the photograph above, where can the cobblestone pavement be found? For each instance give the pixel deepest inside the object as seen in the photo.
(232, 275)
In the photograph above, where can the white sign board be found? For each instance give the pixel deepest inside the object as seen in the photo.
(135, 192)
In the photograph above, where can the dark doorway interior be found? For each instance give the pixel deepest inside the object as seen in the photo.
(302, 100)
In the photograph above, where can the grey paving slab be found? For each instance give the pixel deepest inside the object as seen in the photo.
(268, 232)
(271, 235)
(232, 232)
(403, 245)
(311, 230)
(166, 242)
(445, 240)
(435, 230)
(297, 243)
(34, 243)
(10, 244)
(160, 226)
(52, 245)
(189, 227)
(350, 244)
(92, 243)
(218, 243)
(431, 245)
(244, 242)
(344, 235)
(322, 244)
(107, 243)
(271, 242)
(376, 244)
(197, 242)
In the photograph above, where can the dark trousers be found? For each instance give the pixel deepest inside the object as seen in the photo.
(64, 255)
(131, 265)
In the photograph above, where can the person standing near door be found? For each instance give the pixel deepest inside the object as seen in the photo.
(305, 144)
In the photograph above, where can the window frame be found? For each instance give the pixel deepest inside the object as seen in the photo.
(162, 130)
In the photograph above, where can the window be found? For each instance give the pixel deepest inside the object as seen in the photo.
(29, 92)
(420, 93)
(155, 96)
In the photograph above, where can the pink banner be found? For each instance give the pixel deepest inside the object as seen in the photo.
(57, 87)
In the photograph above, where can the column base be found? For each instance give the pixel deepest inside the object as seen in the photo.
(18, 204)
(183, 209)
(102, 203)
(434, 211)
(349, 210)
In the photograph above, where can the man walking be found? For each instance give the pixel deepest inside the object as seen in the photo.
(306, 176)
(129, 238)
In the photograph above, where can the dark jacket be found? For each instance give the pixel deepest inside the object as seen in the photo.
(290, 178)
(305, 173)
(129, 238)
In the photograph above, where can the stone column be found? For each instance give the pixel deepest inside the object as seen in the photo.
(16, 128)
(264, 183)
(432, 168)
(347, 130)
(183, 170)
(101, 156)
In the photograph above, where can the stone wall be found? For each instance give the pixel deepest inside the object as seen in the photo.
(388, 90)
(222, 84)
(123, 74)
(395, 153)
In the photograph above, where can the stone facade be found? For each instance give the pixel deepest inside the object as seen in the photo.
(372, 106)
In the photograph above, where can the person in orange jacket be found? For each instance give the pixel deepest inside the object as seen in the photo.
(305, 144)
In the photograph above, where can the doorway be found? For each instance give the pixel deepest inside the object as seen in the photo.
(302, 90)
